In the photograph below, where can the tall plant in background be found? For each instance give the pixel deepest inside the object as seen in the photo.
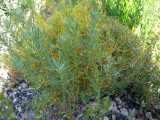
(141, 15)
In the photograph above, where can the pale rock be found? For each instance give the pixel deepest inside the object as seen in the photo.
(100, 118)
(14, 100)
(116, 111)
(14, 93)
(79, 116)
(19, 87)
(20, 109)
(113, 106)
(105, 118)
(29, 94)
(119, 106)
(118, 100)
(93, 105)
(24, 85)
(124, 111)
(123, 104)
(24, 98)
(156, 107)
(149, 115)
(5, 94)
(113, 117)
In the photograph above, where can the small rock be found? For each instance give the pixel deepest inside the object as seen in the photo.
(113, 117)
(156, 107)
(20, 109)
(149, 115)
(24, 85)
(5, 94)
(100, 118)
(119, 106)
(19, 87)
(15, 90)
(124, 111)
(93, 105)
(14, 93)
(140, 118)
(112, 106)
(14, 100)
(119, 101)
(79, 116)
(123, 104)
(105, 118)
(29, 94)
(24, 98)
(116, 111)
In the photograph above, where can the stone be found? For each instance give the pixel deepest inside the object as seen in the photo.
(105, 118)
(149, 115)
(24, 98)
(124, 111)
(24, 85)
(5, 94)
(112, 106)
(118, 100)
(93, 105)
(15, 90)
(29, 94)
(14, 93)
(19, 109)
(156, 107)
(19, 87)
(80, 115)
(113, 117)
(14, 100)
(123, 104)
(116, 111)
(119, 106)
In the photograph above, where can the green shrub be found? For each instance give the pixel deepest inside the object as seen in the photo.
(80, 49)
(141, 15)
(6, 108)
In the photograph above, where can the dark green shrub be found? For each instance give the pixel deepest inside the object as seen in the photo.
(80, 49)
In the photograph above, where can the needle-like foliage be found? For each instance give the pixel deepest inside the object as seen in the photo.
(78, 48)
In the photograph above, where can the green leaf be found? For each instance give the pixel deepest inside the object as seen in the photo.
(83, 98)
(61, 115)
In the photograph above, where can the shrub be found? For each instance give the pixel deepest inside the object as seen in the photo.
(140, 15)
(80, 49)
(6, 108)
